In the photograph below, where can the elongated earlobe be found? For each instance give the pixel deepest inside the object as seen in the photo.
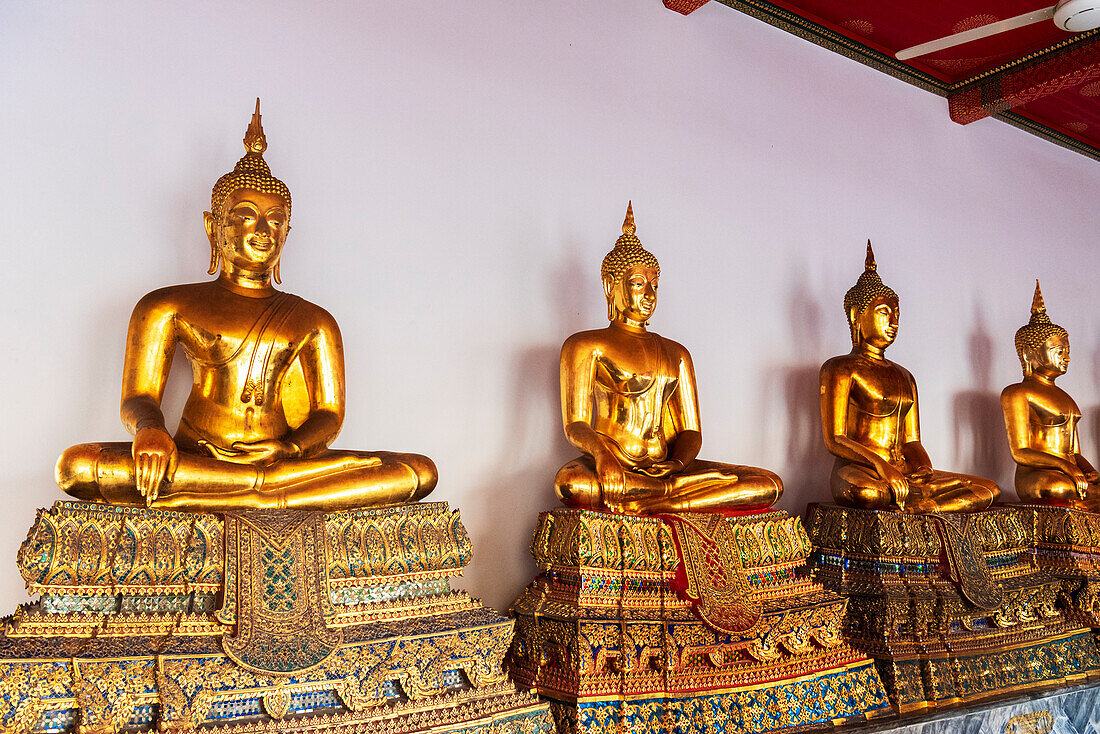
(208, 225)
(275, 274)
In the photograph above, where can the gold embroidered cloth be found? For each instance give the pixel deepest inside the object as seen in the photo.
(276, 591)
(712, 576)
(966, 563)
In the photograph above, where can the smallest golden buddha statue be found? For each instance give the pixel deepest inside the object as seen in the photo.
(869, 417)
(1041, 419)
(629, 403)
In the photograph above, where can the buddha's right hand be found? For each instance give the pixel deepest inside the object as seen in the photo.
(1080, 481)
(612, 478)
(155, 461)
(896, 481)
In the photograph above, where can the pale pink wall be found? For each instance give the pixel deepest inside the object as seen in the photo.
(459, 170)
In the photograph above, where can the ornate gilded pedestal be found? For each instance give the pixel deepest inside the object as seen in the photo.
(951, 606)
(1067, 546)
(258, 620)
(687, 623)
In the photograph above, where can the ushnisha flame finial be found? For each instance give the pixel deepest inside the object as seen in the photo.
(254, 140)
(869, 263)
(1037, 304)
(1031, 336)
(628, 223)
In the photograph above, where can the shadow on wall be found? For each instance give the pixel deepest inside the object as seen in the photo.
(1091, 415)
(980, 441)
(522, 484)
(808, 464)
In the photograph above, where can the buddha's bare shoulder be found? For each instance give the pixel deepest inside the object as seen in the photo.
(585, 340)
(312, 316)
(842, 365)
(172, 299)
(1015, 391)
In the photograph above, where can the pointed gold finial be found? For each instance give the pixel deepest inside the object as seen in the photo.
(254, 140)
(628, 223)
(1037, 305)
(869, 263)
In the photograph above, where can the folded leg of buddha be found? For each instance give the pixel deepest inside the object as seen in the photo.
(1050, 486)
(859, 486)
(701, 486)
(331, 480)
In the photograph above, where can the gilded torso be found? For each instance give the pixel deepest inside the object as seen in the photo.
(241, 350)
(1052, 421)
(634, 380)
(879, 398)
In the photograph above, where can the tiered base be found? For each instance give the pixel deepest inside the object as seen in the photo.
(144, 625)
(951, 607)
(1067, 546)
(605, 635)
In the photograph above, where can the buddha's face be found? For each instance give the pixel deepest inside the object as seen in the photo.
(634, 297)
(1052, 358)
(877, 325)
(251, 231)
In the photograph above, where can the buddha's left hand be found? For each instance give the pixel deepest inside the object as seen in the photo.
(265, 453)
(921, 473)
(661, 468)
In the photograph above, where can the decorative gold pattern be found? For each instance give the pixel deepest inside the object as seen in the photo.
(714, 574)
(414, 656)
(92, 550)
(1067, 546)
(602, 629)
(282, 604)
(907, 607)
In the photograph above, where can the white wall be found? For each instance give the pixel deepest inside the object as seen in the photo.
(460, 169)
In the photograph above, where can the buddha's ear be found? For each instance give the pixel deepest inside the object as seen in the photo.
(609, 294)
(209, 223)
(1025, 361)
(853, 326)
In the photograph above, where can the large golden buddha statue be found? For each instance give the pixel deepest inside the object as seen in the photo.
(268, 391)
(869, 416)
(629, 403)
(1041, 419)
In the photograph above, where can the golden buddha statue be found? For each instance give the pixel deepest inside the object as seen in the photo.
(268, 391)
(629, 402)
(869, 417)
(1041, 419)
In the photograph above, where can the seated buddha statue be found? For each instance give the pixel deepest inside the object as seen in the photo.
(629, 403)
(869, 417)
(1041, 419)
(268, 391)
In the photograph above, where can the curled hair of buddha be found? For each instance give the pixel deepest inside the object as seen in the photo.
(1031, 337)
(251, 172)
(627, 253)
(868, 287)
